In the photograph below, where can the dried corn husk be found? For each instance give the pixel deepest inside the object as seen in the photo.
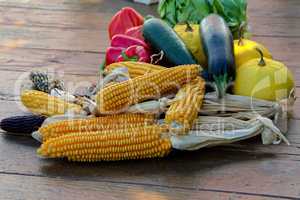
(234, 105)
(237, 107)
(241, 107)
(116, 76)
(214, 131)
(66, 96)
(236, 118)
(153, 106)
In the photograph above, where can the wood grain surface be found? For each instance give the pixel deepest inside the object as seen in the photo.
(69, 38)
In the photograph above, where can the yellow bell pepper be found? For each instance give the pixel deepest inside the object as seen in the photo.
(245, 50)
(264, 78)
(190, 35)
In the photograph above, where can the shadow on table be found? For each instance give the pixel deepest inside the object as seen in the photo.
(20, 140)
(178, 167)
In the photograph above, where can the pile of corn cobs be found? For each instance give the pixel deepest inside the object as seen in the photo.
(136, 111)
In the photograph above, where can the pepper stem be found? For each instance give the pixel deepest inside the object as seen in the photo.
(189, 28)
(262, 61)
(241, 33)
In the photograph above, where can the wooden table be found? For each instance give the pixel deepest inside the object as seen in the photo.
(70, 36)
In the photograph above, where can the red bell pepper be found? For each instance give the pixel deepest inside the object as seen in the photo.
(112, 54)
(125, 41)
(136, 32)
(124, 19)
(135, 53)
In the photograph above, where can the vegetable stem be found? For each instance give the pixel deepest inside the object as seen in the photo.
(241, 33)
(221, 85)
(262, 61)
(126, 58)
(189, 28)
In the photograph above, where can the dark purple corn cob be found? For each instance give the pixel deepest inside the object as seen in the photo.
(22, 124)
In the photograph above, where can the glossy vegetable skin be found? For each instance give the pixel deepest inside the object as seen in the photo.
(136, 32)
(265, 79)
(162, 37)
(123, 44)
(217, 42)
(125, 41)
(135, 53)
(112, 54)
(123, 20)
(245, 50)
(190, 35)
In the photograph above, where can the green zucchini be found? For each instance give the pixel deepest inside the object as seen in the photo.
(217, 43)
(162, 37)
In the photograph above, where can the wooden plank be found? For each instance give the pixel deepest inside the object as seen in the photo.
(267, 26)
(68, 62)
(57, 19)
(241, 169)
(45, 38)
(34, 187)
(274, 8)
(270, 8)
(11, 108)
(296, 107)
(111, 6)
(208, 169)
(274, 26)
(97, 40)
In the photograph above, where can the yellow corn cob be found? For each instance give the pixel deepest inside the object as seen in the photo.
(121, 121)
(111, 145)
(184, 111)
(42, 103)
(135, 69)
(120, 96)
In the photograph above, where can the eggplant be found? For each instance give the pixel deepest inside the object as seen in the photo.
(217, 42)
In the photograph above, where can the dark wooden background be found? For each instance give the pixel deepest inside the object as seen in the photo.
(70, 36)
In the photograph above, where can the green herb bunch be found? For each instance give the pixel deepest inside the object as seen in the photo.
(234, 12)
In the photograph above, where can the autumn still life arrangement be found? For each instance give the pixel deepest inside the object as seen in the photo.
(190, 79)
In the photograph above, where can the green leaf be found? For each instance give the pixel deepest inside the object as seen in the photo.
(219, 7)
(202, 8)
(162, 8)
(234, 12)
